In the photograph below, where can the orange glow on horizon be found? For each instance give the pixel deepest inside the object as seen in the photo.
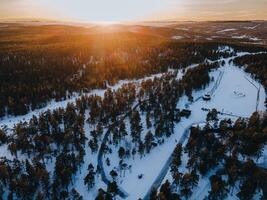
(114, 11)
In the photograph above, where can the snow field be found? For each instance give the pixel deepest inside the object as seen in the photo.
(223, 99)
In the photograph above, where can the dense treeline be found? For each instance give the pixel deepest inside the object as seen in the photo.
(157, 101)
(247, 48)
(58, 66)
(49, 150)
(230, 150)
(58, 136)
(256, 65)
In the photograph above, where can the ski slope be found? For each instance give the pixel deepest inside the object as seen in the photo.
(225, 98)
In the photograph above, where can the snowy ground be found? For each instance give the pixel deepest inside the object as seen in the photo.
(89, 158)
(226, 98)
(226, 30)
(246, 37)
(177, 37)
(10, 121)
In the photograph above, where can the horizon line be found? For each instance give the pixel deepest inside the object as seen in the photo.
(37, 19)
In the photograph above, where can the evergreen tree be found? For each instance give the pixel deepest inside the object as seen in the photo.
(121, 152)
(113, 174)
(122, 129)
(148, 122)
(141, 149)
(218, 188)
(89, 179)
(136, 127)
(113, 189)
(149, 138)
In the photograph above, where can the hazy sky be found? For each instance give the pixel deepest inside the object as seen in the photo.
(125, 10)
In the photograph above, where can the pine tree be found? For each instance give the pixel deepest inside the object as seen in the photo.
(100, 195)
(141, 149)
(3, 137)
(148, 122)
(121, 152)
(93, 145)
(89, 180)
(113, 174)
(177, 156)
(185, 185)
(113, 188)
(99, 130)
(108, 162)
(212, 115)
(122, 129)
(218, 188)
(149, 138)
(136, 127)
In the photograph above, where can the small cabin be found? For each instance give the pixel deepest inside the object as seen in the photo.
(185, 113)
(206, 97)
(205, 109)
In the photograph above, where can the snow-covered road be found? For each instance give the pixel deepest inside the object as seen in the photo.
(163, 172)
(253, 97)
(155, 166)
(223, 99)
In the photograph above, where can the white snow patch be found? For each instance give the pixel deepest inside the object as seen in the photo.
(10, 121)
(177, 37)
(254, 39)
(183, 29)
(252, 27)
(226, 30)
(223, 100)
(240, 37)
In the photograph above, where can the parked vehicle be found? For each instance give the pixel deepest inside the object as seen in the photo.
(206, 97)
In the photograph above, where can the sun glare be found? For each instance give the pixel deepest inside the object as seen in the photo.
(106, 23)
(113, 11)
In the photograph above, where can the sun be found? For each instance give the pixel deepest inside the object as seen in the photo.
(106, 23)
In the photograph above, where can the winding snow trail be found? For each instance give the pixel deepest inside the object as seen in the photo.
(163, 172)
(122, 193)
(222, 99)
(240, 106)
(10, 121)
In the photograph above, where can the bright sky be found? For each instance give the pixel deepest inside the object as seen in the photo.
(128, 10)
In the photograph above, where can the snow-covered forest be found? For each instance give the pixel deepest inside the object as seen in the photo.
(186, 120)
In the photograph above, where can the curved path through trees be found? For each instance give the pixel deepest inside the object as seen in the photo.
(123, 194)
(163, 172)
